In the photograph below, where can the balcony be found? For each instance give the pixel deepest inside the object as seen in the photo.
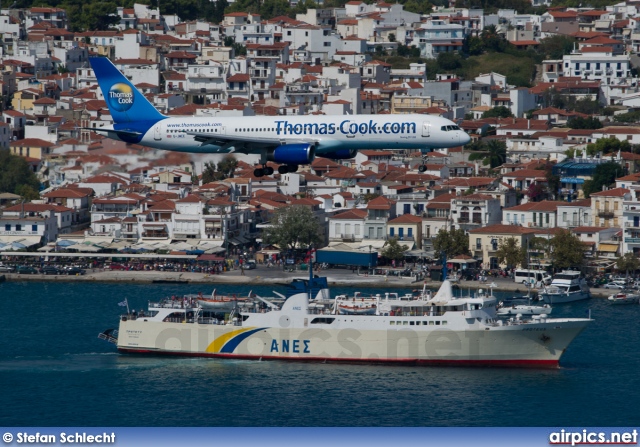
(605, 214)
(466, 220)
(632, 240)
(631, 225)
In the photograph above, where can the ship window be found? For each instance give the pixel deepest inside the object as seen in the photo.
(405, 323)
(412, 323)
(392, 323)
(444, 322)
(437, 323)
(323, 320)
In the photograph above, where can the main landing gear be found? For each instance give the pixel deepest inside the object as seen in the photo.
(261, 172)
(267, 170)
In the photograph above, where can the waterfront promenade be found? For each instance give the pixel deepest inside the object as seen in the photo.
(264, 276)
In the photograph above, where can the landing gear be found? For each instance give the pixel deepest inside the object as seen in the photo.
(422, 168)
(284, 169)
(261, 172)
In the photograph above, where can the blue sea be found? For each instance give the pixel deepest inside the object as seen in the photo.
(54, 371)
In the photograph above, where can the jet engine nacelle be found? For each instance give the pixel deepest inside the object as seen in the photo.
(342, 154)
(294, 154)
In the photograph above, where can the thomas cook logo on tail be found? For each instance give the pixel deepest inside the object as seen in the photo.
(121, 97)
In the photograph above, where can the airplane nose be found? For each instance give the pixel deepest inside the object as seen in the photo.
(464, 138)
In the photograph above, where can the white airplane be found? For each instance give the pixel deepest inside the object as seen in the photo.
(287, 140)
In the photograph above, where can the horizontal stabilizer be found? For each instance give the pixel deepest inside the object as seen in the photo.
(112, 133)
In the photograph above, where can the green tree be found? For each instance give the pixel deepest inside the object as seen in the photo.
(628, 263)
(227, 166)
(209, 173)
(473, 46)
(498, 112)
(293, 227)
(493, 154)
(629, 117)
(449, 61)
(16, 177)
(608, 146)
(393, 250)
(392, 37)
(578, 122)
(509, 252)
(556, 46)
(451, 243)
(605, 174)
(567, 251)
(492, 40)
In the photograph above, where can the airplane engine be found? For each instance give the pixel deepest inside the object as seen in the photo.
(294, 154)
(343, 154)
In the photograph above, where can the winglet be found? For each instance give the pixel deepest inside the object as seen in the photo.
(125, 102)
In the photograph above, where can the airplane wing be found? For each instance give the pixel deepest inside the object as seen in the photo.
(246, 143)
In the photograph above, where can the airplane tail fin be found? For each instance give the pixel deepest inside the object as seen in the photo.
(125, 102)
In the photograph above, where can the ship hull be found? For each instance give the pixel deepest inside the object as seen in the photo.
(537, 345)
(559, 298)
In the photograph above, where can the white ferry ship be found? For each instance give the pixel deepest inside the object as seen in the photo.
(427, 330)
(567, 286)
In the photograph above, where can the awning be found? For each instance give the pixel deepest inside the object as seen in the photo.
(610, 248)
(27, 241)
(375, 243)
(206, 245)
(419, 253)
(574, 180)
(462, 261)
(408, 244)
(154, 227)
(85, 248)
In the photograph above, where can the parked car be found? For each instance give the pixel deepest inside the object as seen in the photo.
(117, 267)
(26, 270)
(7, 269)
(74, 271)
(250, 264)
(615, 285)
(50, 270)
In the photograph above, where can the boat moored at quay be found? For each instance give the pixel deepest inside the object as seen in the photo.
(429, 329)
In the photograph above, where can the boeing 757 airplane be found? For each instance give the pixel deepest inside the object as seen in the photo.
(287, 140)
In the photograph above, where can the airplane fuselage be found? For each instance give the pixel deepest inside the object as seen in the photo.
(328, 133)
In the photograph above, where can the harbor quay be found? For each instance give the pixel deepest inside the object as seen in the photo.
(277, 276)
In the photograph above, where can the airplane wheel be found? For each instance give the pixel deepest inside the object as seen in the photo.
(292, 168)
(422, 168)
(283, 169)
(268, 170)
(258, 172)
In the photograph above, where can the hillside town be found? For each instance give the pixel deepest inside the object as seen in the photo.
(533, 167)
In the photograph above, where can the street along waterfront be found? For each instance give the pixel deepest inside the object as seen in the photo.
(54, 359)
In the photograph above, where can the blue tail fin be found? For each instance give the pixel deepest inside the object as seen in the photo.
(125, 102)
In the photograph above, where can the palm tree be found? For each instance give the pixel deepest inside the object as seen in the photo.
(494, 154)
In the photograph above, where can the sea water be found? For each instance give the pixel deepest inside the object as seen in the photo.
(54, 371)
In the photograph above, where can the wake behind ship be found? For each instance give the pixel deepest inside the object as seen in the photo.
(423, 330)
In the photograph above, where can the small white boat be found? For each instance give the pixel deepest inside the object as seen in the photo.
(356, 305)
(524, 309)
(624, 297)
(222, 303)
